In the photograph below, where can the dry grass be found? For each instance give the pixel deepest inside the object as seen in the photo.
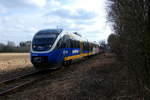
(12, 61)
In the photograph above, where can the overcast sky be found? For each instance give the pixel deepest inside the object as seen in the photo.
(21, 19)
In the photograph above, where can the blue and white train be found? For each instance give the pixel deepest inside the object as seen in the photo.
(56, 46)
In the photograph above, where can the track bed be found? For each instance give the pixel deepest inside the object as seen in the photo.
(97, 78)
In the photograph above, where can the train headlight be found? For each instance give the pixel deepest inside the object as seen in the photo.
(34, 46)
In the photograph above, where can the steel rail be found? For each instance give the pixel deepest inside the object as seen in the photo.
(15, 87)
(21, 76)
(20, 86)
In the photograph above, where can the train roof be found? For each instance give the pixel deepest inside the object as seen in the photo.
(57, 31)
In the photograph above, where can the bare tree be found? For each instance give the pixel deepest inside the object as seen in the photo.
(131, 24)
(11, 47)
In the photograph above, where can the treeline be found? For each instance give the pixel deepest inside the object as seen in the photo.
(11, 47)
(131, 37)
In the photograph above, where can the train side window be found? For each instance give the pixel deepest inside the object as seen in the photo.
(84, 46)
(59, 43)
(74, 43)
(87, 46)
(71, 43)
(78, 44)
(67, 41)
(64, 42)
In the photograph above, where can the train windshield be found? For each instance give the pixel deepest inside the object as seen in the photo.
(43, 41)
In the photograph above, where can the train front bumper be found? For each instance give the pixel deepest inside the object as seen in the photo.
(48, 58)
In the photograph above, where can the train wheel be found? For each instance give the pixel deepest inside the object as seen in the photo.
(37, 66)
(70, 62)
(67, 63)
(40, 66)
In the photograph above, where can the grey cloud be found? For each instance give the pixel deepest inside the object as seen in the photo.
(10, 4)
(80, 14)
(74, 29)
(95, 31)
(62, 23)
(85, 22)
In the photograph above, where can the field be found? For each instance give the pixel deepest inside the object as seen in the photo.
(9, 61)
(13, 61)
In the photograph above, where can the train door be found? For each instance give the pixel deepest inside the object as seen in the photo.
(67, 50)
(65, 46)
(59, 47)
(68, 45)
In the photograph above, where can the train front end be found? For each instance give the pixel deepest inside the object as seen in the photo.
(43, 51)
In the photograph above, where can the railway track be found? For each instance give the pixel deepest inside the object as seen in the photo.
(11, 85)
